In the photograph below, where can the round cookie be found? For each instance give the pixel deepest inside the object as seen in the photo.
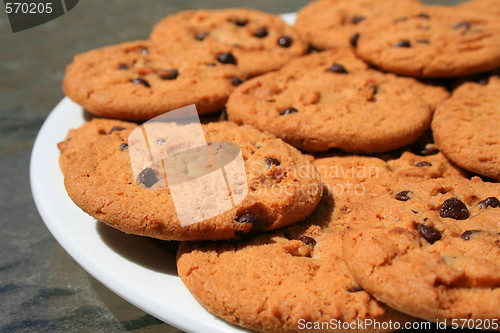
(139, 80)
(466, 127)
(331, 100)
(283, 186)
(430, 42)
(257, 42)
(279, 281)
(328, 24)
(431, 249)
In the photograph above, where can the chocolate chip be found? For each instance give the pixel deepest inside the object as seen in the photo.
(116, 128)
(338, 68)
(424, 15)
(483, 81)
(462, 25)
(289, 111)
(170, 74)
(161, 141)
(123, 146)
(355, 289)
(248, 218)
(403, 196)
(489, 202)
(223, 115)
(429, 149)
(236, 81)
(354, 39)
(428, 232)
(227, 58)
(403, 43)
(285, 41)
(272, 161)
(261, 32)
(122, 66)
(466, 234)
(307, 240)
(239, 22)
(142, 81)
(423, 164)
(147, 177)
(200, 35)
(357, 19)
(455, 209)
(423, 41)
(145, 50)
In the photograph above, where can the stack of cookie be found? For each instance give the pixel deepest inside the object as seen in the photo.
(373, 186)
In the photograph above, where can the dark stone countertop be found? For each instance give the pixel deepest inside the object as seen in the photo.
(41, 287)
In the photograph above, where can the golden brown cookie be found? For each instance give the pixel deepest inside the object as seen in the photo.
(255, 41)
(430, 249)
(331, 100)
(328, 24)
(430, 42)
(466, 127)
(283, 186)
(139, 80)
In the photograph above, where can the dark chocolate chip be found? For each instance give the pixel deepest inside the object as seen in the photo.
(307, 240)
(289, 111)
(354, 290)
(455, 209)
(462, 25)
(356, 19)
(466, 234)
(489, 202)
(272, 161)
(423, 41)
(145, 50)
(239, 22)
(423, 164)
(161, 141)
(424, 15)
(200, 35)
(142, 81)
(403, 43)
(170, 74)
(338, 68)
(147, 177)
(403, 196)
(261, 32)
(429, 149)
(285, 41)
(227, 58)
(123, 146)
(223, 115)
(354, 39)
(116, 128)
(236, 81)
(248, 218)
(122, 66)
(428, 232)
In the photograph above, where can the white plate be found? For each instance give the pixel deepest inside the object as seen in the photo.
(140, 270)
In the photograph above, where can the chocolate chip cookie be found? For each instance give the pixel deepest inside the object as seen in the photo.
(139, 80)
(255, 41)
(283, 185)
(328, 24)
(332, 100)
(430, 42)
(431, 250)
(281, 281)
(466, 127)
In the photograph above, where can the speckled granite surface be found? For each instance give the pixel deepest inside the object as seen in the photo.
(41, 288)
